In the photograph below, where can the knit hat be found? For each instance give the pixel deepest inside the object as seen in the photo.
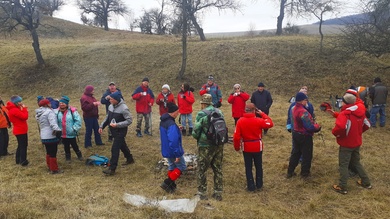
(300, 97)
(210, 78)
(377, 79)
(172, 107)
(207, 99)
(250, 107)
(261, 84)
(89, 89)
(44, 102)
(16, 99)
(116, 96)
(145, 79)
(352, 91)
(237, 86)
(111, 83)
(65, 99)
(39, 98)
(166, 86)
(349, 98)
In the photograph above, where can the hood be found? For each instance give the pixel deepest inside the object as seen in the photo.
(120, 103)
(40, 111)
(10, 105)
(165, 117)
(354, 109)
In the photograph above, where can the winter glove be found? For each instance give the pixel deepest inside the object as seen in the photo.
(57, 134)
(219, 104)
(319, 129)
(184, 96)
(289, 130)
(325, 106)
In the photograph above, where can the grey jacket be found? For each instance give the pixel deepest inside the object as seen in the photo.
(122, 116)
(47, 121)
(378, 94)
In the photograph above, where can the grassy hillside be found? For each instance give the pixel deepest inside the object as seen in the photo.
(91, 56)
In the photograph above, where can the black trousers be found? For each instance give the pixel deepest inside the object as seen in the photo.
(303, 146)
(21, 151)
(51, 149)
(4, 140)
(119, 144)
(257, 159)
(70, 142)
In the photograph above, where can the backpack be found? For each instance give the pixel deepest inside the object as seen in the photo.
(97, 160)
(217, 131)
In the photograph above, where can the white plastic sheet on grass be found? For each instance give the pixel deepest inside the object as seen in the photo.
(174, 205)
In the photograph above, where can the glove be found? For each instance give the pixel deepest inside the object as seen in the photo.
(184, 97)
(325, 106)
(57, 134)
(219, 104)
(289, 130)
(319, 129)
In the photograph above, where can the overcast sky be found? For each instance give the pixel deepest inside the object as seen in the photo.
(261, 14)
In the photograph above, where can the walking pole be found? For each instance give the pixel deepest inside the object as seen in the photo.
(150, 122)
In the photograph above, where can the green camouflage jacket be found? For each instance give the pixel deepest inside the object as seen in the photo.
(201, 123)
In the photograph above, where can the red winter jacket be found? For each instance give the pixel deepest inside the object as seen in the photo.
(18, 117)
(238, 104)
(3, 118)
(350, 125)
(185, 101)
(143, 101)
(170, 98)
(89, 109)
(249, 130)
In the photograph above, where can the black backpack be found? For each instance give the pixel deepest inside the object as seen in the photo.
(217, 132)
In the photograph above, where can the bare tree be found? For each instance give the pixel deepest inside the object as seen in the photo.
(23, 13)
(48, 7)
(318, 8)
(154, 21)
(289, 7)
(195, 6)
(371, 33)
(101, 10)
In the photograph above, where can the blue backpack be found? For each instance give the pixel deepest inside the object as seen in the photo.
(96, 160)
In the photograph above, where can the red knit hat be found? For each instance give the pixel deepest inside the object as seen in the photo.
(352, 91)
(44, 102)
(89, 89)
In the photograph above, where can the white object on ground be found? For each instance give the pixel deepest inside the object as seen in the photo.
(174, 205)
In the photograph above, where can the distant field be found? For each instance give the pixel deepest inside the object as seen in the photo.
(77, 56)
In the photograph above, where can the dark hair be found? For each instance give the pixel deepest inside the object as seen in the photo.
(186, 87)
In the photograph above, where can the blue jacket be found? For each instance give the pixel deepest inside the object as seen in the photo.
(106, 102)
(70, 124)
(309, 108)
(170, 134)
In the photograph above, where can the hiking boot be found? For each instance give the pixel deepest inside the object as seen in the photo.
(139, 133)
(201, 196)
(109, 172)
(366, 186)
(340, 190)
(217, 196)
(183, 132)
(79, 156)
(146, 132)
(167, 185)
(67, 157)
(24, 163)
(289, 175)
(129, 161)
(190, 131)
(57, 171)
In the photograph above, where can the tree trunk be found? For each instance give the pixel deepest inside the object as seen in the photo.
(105, 20)
(198, 28)
(184, 40)
(321, 34)
(279, 24)
(35, 45)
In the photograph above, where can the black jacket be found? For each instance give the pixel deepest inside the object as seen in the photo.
(378, 94)
(262, 100)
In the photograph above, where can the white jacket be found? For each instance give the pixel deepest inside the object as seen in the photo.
(47, 122)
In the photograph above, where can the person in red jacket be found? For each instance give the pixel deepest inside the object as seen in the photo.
(165, 97)
(4, 125)
(144, 98)
(185, 100)
(349, 127)
(238, 99)
(18, 115)
(90, 107)
(247, 136)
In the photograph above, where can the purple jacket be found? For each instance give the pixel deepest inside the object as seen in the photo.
(89, 110)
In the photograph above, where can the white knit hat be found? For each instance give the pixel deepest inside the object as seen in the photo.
(237, 85)
(166, 86)
(349, 98)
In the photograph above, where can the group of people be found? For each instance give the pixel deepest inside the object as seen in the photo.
(251, 123)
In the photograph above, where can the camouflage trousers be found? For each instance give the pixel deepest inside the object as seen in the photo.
(140, 116)
(210, 156)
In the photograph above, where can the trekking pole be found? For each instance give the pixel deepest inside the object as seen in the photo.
(151, 123)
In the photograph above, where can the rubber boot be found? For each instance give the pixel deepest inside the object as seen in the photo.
(183, 132)
(167, 185)
(68, 157)
(54, 166)
(79, 156)
(189, 131)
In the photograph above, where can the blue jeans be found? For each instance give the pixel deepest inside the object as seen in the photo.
(181, 165)
(184, 117)
(91, 124)
(382, 115)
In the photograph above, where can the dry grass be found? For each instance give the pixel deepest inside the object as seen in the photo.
(282, 63)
